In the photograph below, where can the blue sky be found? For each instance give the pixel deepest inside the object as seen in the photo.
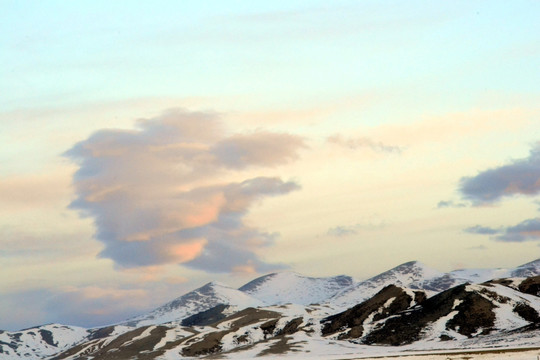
(140, 140)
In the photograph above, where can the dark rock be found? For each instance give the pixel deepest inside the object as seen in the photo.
(291, 327)
(527, 313)
(531, 286)
(206, 317)
(47, 336)
(474, 313)
(101, 333)
(241, 339)
(211, 344)
(269, 327)
(354, 317)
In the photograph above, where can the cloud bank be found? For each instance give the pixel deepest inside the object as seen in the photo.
(159, 194)
(520, 177)
(527, 230)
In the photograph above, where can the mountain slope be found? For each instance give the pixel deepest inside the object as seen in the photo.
(201, 299)
(464, 311)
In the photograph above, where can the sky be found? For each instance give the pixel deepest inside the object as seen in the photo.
(147, 148)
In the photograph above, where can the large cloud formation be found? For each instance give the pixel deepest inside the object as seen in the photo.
(519, 177)
(159, 194)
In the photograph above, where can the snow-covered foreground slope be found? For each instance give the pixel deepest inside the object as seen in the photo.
(39, 342)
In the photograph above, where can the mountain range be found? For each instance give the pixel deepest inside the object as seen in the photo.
(409, 307)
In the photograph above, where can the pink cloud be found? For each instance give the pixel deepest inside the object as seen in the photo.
(154, 192)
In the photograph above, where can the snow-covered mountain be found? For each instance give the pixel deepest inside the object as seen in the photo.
(286, 311)
(40, 341)
(478, 275)
(459, 313)
(527, 270)
(416, 275)
(196, 301)
(412, 274)
(290, 287)
(271, 289)
(468, 315)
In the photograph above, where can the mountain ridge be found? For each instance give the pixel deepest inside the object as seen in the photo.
(294, 304)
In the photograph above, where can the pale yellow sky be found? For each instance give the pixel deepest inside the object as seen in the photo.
(343, 138)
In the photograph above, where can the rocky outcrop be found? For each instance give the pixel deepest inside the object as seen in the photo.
(531, 285)
(388, 301)
(473, 313)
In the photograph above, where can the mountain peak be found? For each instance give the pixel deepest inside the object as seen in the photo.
(206, 297)
(529, 269)
(213, 284)
(292, 287)
(406, 273)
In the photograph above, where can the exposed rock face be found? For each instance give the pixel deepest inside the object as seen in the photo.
(527, 312)
(474, 312)
(291, 327)
(47, 336)
(101, 333)
(207, 317)
(269, 327)
(531, 286)
(388, 301)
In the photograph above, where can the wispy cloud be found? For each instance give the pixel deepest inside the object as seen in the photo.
(482, 230)
(159, 194)
(341, 231)
(520, 177)
(479, 247)
(449, 204)
(362, 143)
(371, 223)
